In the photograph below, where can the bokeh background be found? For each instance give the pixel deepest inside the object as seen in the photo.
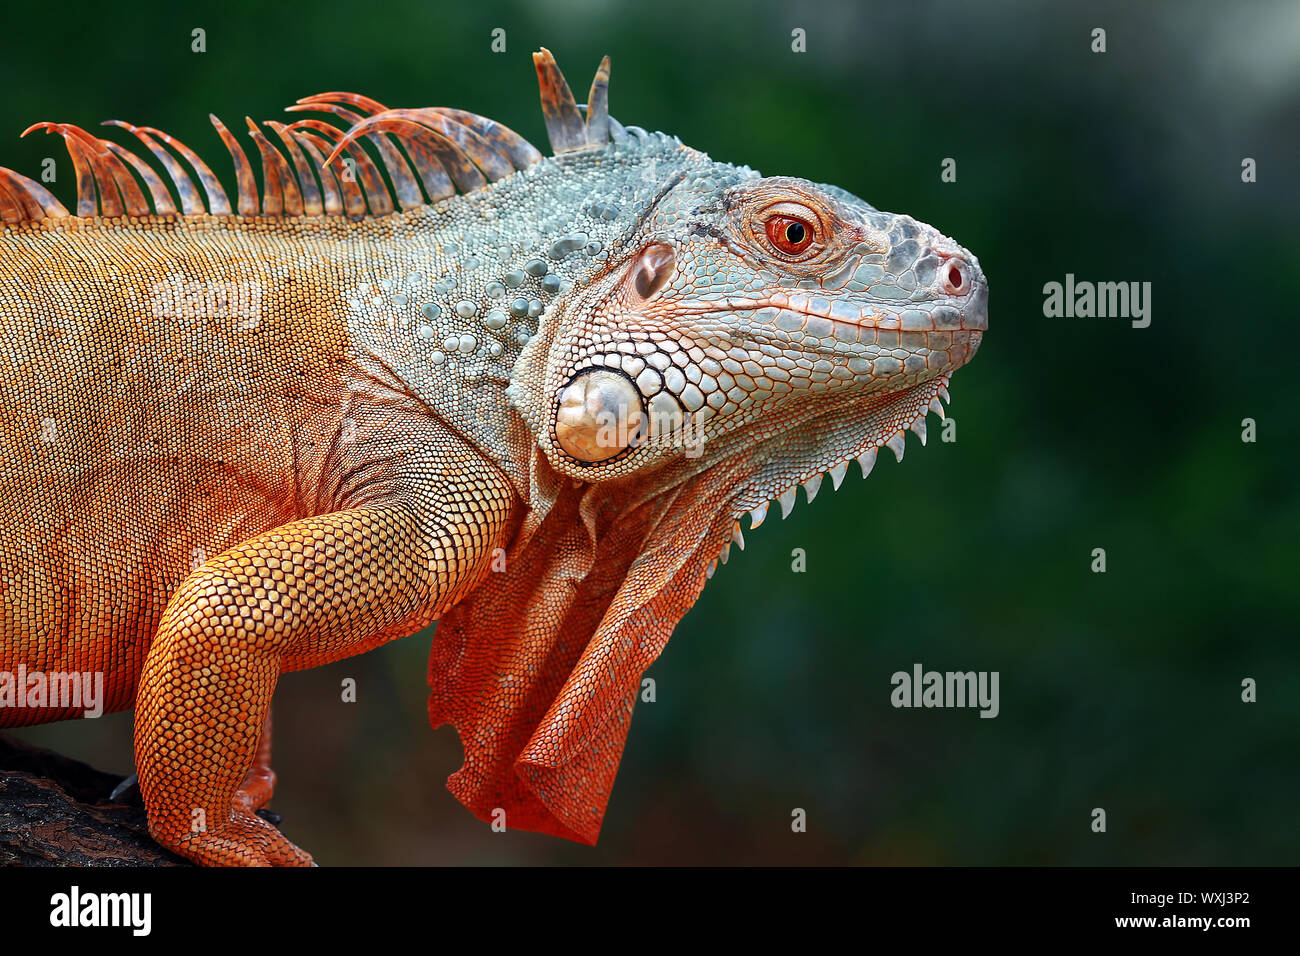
(1119, 690)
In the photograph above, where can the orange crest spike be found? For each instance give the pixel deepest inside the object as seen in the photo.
(35, 200)
(247, 202)
(365, 171)
(598, 106)
(317, 146)
(564, 125)
(405, 187)
(162, 199)
(427, 154)
(191, 202)
(332, 193)
(311, 194)
(218, 202)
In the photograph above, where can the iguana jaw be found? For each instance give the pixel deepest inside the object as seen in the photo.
(780, 481)
(856, 429)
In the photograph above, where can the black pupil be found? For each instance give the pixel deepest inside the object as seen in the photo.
(794, 233)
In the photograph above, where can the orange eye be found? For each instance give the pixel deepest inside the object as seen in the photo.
(789, 235)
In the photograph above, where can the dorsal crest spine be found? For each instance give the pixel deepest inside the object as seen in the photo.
(426, 156)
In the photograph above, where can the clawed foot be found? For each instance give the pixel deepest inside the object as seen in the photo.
(256, 790)
(126, 786)
(243, 840)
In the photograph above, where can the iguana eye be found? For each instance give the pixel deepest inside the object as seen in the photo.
(789, 235)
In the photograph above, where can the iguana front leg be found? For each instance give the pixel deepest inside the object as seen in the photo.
(306, 593)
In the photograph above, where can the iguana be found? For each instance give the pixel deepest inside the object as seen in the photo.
(437, 376)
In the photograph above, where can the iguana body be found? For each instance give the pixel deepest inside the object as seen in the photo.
(240, 444)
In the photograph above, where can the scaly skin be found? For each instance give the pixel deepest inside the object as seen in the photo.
(535, 411)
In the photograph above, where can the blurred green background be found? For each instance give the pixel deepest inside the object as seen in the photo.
(1118, 690)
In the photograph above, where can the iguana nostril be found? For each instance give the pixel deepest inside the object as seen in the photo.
(599, 415)
(954, 277)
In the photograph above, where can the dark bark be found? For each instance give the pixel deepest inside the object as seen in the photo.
(58, 812)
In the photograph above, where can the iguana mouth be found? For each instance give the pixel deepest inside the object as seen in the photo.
(843, 314)
(852, 325)
(812, 482)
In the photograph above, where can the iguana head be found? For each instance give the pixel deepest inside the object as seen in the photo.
(773, 320)
(772, 317)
